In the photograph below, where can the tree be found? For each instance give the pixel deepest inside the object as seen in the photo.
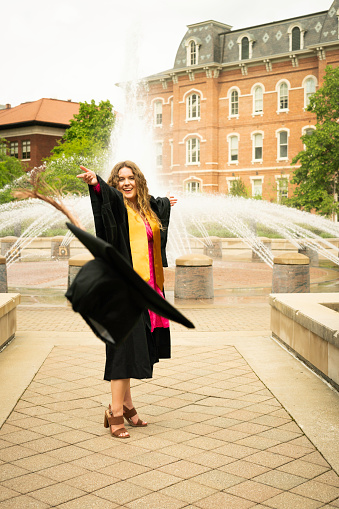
(10, 171)
(238, 188)
(86, 142)
(317, 177)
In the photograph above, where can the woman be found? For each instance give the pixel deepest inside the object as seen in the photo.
(136, 224)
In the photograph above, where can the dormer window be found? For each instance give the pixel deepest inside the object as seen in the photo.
(296, 37)
(245, 48)
(192, 48)
(245, 43)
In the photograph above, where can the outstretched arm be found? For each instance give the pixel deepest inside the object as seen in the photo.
(172, 199)
(89, 177)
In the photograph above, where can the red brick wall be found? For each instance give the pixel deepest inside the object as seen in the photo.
(215, 124)
(41, 147)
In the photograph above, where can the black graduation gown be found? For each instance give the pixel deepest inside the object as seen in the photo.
(134, 358)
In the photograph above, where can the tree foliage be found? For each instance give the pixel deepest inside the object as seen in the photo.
(238, 188)
(10, 170)
(317, 177)
(86, 142)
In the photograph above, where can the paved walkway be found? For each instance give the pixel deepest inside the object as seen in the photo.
(234, 420)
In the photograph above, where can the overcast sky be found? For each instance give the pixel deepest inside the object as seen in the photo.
(79, 49)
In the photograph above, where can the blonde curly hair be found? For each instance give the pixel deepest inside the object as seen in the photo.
(143, 196)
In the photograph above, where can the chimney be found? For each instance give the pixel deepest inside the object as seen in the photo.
(8, 106)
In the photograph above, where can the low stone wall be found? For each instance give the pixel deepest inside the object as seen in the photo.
(8, 304)
(308, 325)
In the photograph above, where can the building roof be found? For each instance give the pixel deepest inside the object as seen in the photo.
(43, 111)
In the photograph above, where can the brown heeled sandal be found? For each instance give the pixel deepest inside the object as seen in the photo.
(129, 413)
(110, 420)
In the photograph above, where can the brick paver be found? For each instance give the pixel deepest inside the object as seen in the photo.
(237, 448)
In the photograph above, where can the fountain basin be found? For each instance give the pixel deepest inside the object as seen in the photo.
(308, 326)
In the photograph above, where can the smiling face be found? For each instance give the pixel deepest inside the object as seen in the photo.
(127, 184)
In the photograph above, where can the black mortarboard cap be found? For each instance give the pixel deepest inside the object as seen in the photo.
(110, 295)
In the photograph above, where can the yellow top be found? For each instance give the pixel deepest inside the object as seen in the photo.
(139, 247)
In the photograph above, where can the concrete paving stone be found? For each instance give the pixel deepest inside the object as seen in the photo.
(258, 442)
(124, 451)
(279, 479)
(235, 450)
(248, 428)
(329, 478)
(224, 500)
(8, 428)
(289, 500)
(153, 459)
(303, 468)
(172, 403)
(23, 501)
(155, 480)
(69, 453)
(244, 469)
(303, 441)
(154, 443)
(176, 436)
(8, 471)
(218, 479)
(335, 503)
(184, 469)
(63, 472)
(317, 458)
(187, 491)
(95, 444)
(317, 491)
(45, 444)
(280, 435)
(94, 461)
(206, 443)
(156, 501)
(56, 494)
(201, 429)
(122, 492)
(268, 459)
(6, 493)
(180, 451)
(92, 481)
(290, 449)
(211, 459)
(37, 462)
(15, 452)
(254, 491)
(124, 470)
(88, 502)
(27, 482)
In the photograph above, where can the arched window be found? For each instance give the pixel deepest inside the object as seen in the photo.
(193, 151)
(233, 149)
(234, 103)
(309, 131)
(283, 145)
(258, 99)
(158, 154)
(192, 186)
(158, 113)
(257, 147)
(296, 39)
(283, 96)
(193, 53)
(245, 48)
(193, 106)
(309, 90)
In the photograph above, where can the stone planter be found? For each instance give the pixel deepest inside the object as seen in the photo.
(194, 277)
(291, 273)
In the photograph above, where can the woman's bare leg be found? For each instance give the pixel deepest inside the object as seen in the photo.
(118, 388)
(129, 403)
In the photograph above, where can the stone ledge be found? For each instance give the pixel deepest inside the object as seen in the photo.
(311, 311)
(8, 305)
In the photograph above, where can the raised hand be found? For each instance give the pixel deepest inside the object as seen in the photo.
(89, 177)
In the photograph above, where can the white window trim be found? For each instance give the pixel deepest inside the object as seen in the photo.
(188, 50)
(156, 100)
(229, 96)
(303, 132)
(253, 147)
(277, 87)
(192, 91)
(251, 40)
(159, 143)
(194, 163)
(188, 118)
(229, 136)
(304, 87)
(192, 179)
(192, 135)
(277, 180)
(257, 177)
(277, 135)
(302, 34)
(256, 113)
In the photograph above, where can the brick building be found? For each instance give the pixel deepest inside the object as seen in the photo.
(33, 129)
(233, 105)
